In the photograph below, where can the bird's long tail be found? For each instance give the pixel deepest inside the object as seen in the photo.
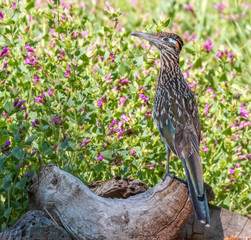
(199, 201)
(188, 150)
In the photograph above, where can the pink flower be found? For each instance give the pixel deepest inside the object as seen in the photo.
(28, 62)
(233, 73)
(124, 81)
(108, 5)
(4, 113)
(220, 6)
(239, 149)
(207, 109)
(133, 153)
(67, 75)
(124, 117)
(120, 124)
(1, 15)
(242, 157)
(208, 45)
(84, 33)
(204, 148)
(100, 103)
(122, 101)
(187, 37)
(36, 79)
(29, 49)
(112, 124)
(141, 95)
(85, 142)
(237, 165)
(122, 131)
(100, 158)
(5, 52)
(231, 171)
(189, 8)
(186, 74)
(244, 113)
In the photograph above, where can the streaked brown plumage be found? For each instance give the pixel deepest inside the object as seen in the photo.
(175, 111)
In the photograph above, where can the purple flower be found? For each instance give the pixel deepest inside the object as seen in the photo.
(112, 124)
(67, 75)
(239, 149)
(231, 171)
(237, 165)
(100, 103)
(28, 62)
(141, 95)
(7, 143)
(122, 131)
(187, 37)
(27, 175)
(133, 153)
(36, 79)
(1, 15)
(5, 52)
(124, 81)
(207, 108)
(218, 55)
(20, 103)
(100, 158)
(85, 142)
(208, 45)
(215, 143)
(242, 157)
(189, 8)
(56, 121)
(29, 49)
(231, 55)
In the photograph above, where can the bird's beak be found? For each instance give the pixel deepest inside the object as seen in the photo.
(146, 36)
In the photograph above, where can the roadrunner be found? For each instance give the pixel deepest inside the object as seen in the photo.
(175, 111)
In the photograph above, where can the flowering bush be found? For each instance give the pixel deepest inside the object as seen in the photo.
(77, 90)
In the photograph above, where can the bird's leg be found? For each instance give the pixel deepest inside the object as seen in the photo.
(167, 165)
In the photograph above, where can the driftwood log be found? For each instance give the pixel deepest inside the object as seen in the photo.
(161, 212)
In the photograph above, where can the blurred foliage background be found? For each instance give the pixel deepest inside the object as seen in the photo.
(77, 90)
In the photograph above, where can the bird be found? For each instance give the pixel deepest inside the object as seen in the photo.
(176, 114)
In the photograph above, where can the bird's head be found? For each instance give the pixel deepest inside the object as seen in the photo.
(165, 42)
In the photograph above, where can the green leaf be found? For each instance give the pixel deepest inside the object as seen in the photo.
(154, 21)
(227, 131)
(190, 50)
(107, 154)
(17, 152)
(6, 182)
(60, 29)
(166, 23)
(7, 212)
(197, 63)
(46, 147)
(30, 5)
(139, 61)
(31, 139)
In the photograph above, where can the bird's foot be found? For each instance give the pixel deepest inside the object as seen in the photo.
(173, 176)
(167, 174)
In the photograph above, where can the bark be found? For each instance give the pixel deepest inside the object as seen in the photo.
(157, 213)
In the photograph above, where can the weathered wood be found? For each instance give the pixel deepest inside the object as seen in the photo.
(35, 225)
(159, 213)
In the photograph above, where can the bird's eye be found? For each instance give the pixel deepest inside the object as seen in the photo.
(165, 39)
